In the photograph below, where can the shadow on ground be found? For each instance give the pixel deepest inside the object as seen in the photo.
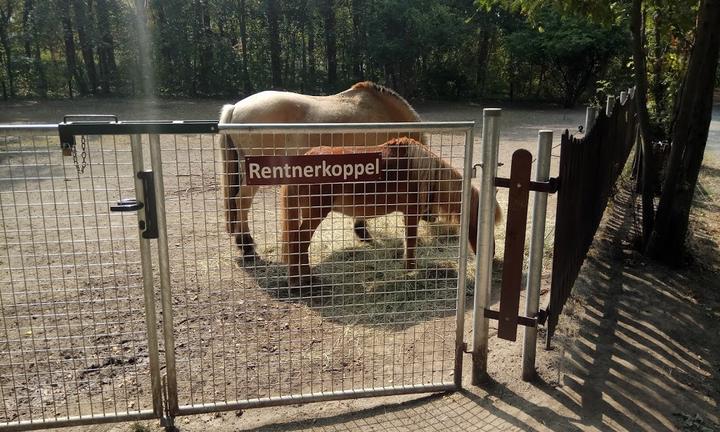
(635, 352)
(347, 290)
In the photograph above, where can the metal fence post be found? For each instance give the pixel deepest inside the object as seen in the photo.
(485, 242)
(591, 114)
(463, 252)
(609, 105)
(537, 243)
(164, 263)
(148, 283)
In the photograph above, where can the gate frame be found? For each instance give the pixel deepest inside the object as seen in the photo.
(466, 127)
(164, 387)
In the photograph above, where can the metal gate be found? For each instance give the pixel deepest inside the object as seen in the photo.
(80, 286)
(77, 336)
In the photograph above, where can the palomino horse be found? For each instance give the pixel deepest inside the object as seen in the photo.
(416, 182)
(364, 102)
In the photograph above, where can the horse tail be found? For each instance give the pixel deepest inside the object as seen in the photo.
(230, 157)
(290, 219)
(498, 211)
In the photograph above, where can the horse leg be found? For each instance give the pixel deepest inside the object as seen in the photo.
(241, 228)
(300, 273)
(411, 229)
(428, 217)
(290, 230)
(360, 229)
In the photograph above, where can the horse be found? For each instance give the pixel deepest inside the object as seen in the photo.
(364, 102)
(416, 182)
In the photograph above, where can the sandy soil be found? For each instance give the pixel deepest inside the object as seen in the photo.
(635, 349)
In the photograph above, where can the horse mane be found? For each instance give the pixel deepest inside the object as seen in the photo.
(440, 184)
(389, 94)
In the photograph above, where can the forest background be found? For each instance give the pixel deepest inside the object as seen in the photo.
(560, 51)
(457, 49)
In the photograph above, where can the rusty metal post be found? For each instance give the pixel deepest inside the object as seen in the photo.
(537, 243)
(485, 242)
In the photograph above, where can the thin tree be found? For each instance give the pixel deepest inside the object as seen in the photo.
(105, 46)
(73, 72)
(31, 41)
(80, 7)
(247, 85)
(328, 13)
(272, 14)
(689, 137)
(6, 12)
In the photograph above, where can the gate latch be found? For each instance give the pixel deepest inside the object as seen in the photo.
(127, 205)
(149, 226)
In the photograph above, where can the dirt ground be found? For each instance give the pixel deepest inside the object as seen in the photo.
(637, 347)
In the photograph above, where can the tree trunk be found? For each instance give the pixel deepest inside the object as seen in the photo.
(27, 27)
(483, 54)
(272, 13)
(648, 171)
(244, 41)
(81, 18)
(328, 13)
(5, 16)
(311, 52)
(689, 137)
(658, 87)
(358, 43)
(31, 41)
(73, 72)
(106, 47)
(205, 48)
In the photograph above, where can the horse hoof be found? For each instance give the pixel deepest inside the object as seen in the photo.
(246, 244)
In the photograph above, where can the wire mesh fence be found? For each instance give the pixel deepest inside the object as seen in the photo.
(243, 334)
(74, 332)
(73, 340)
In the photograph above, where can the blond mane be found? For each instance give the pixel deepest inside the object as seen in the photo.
(400, 103)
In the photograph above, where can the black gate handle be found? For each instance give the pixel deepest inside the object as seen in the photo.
(126, 205)
(149, 226)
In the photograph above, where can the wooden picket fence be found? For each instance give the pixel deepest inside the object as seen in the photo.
(589, 168)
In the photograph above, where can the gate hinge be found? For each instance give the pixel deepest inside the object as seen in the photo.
(480, 165)
(550, 186)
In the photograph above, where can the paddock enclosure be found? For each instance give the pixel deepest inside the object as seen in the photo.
(124, 295)
(101, 323)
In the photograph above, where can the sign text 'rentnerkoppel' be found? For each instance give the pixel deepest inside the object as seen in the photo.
(308, 169)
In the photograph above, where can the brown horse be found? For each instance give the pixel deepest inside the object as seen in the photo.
(416, 182)
(364, 102)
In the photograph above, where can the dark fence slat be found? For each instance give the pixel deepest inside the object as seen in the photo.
(589, 168)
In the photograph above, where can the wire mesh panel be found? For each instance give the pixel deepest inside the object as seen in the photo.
(362, 323)
(72, 332)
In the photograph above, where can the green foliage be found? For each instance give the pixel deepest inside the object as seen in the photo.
(570, 51)
(425, 48)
